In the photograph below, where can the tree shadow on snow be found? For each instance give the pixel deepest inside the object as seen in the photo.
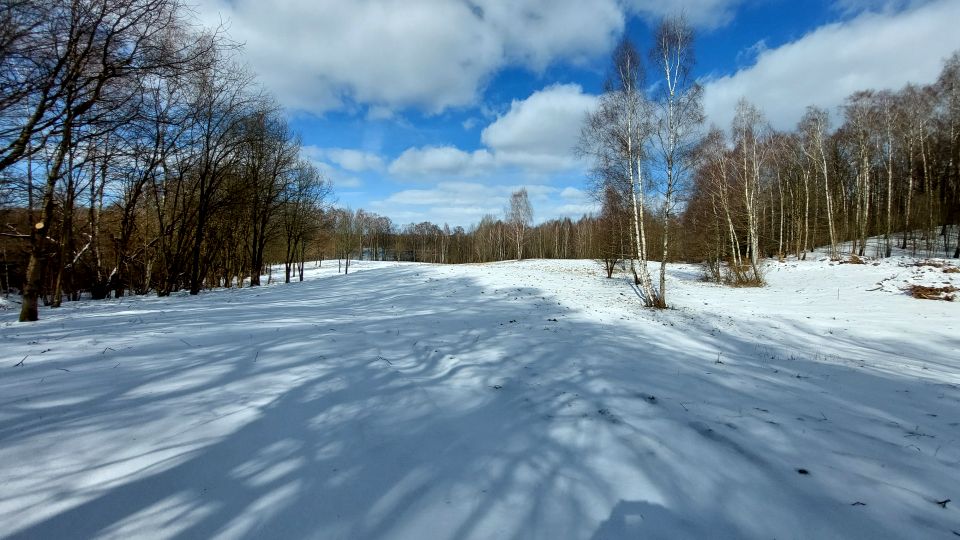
(390, 404)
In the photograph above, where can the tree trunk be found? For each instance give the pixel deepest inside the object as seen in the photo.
(38, 235)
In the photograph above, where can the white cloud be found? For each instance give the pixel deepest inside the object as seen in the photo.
(346, 182)
(851, 7)
(320, 55)
(545, 124)
(352, 160)
(536, 135)
(573, 193)
(441, 161)
(464, 203)
(701, 13)
(871, 51)
(336, 175)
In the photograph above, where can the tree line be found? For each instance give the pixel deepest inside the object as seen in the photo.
(137, 154)
(366, 235)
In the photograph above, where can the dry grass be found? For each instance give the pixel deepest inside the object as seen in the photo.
(929, 262)
(951, 270)
(924, 292)
(853, 259)
(744, 275)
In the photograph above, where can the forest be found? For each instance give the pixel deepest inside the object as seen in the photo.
(138, 155)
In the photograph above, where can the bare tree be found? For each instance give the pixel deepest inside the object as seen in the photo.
(90, 53)
(611, 248)
(302, 213)
(749, 132)
(614, 137)
(679, 115)
(520, 217)
(269, 156)
(813, 130)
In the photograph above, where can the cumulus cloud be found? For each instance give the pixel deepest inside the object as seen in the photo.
(545, 124)
(441, 161)
(874, 50)
(320, 55)
(536, 135)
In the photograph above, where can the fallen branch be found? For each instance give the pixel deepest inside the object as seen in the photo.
(20, 363)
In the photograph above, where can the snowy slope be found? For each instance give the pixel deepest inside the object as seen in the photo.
(515, 400)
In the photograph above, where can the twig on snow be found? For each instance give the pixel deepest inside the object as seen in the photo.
(20, 363)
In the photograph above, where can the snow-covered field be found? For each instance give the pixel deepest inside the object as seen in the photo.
(512, 400)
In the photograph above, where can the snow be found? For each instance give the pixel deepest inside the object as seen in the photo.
(528, 399)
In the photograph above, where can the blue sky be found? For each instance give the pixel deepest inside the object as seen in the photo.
(437, 109)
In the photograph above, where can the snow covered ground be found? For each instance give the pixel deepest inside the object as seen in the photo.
(515, 400)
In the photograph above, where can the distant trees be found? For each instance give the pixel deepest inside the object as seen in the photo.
(612, 243)
(491, 239)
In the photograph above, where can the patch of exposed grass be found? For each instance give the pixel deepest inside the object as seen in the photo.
(924, 292)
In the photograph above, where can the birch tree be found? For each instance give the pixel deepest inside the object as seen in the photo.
(813, 128)
(614, 137)
(749, 129)
(679, 107)
(520, 218)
